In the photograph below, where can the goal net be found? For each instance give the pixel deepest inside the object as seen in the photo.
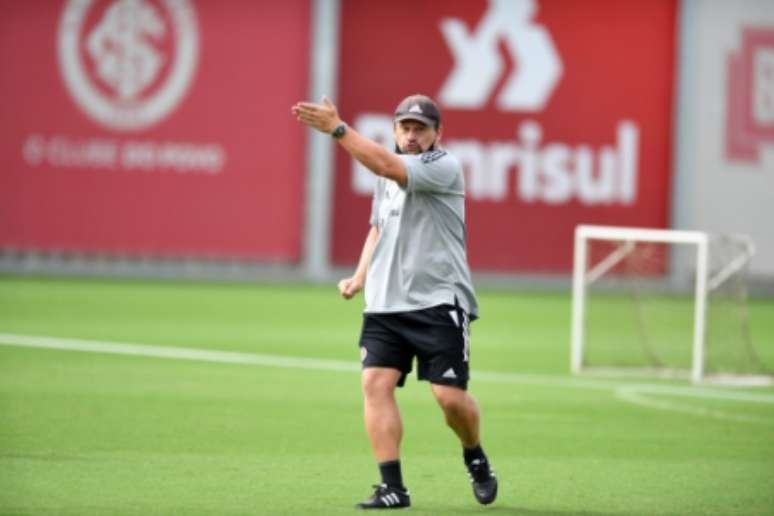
(665, 302)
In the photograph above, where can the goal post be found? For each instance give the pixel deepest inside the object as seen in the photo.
(648, 261)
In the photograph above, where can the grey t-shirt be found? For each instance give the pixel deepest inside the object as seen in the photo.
(420, 260)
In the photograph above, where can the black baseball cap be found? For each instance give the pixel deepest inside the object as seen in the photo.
(419, 107)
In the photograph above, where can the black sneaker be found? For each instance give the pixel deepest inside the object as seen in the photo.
(386, 497)
(484, 481)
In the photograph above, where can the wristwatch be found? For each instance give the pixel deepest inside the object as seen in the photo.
(339, 131)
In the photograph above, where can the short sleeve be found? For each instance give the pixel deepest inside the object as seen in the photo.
(434, 171)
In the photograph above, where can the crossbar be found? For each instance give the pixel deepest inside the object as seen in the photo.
(672, 236)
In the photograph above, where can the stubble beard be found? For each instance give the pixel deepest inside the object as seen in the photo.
(419, 150)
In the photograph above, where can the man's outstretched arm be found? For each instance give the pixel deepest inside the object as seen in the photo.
(325, 118)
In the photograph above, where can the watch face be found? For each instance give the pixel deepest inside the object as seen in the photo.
(339, 131)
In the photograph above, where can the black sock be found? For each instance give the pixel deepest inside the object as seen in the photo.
(391, 474)
(471, 454)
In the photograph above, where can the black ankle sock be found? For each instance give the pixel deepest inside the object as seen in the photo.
(391, 474)
(471, 454)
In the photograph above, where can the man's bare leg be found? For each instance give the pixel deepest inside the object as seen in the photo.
(462, 416)
(461, 412)
(382, 418)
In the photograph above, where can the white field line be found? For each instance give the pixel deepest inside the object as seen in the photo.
(201, 355)
(653, 389)
(636, 397)
(632, 393)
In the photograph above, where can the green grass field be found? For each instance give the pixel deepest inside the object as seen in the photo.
(92, 433)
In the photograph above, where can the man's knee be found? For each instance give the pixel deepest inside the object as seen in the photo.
(379, 382)
(451, 399)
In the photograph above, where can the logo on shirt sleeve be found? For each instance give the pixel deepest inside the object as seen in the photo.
(429, 157)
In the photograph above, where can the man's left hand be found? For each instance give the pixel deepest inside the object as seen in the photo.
(323, 116)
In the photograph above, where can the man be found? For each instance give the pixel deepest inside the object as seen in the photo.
(418, 292)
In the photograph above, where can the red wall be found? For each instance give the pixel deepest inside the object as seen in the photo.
(218, 173)
(523, 200)
(213, 165)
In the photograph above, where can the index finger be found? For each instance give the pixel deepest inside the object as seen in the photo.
(309, 106)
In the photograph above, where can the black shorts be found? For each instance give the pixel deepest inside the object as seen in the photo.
(438, 336)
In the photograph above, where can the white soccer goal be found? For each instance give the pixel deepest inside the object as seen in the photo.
(661, 301)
